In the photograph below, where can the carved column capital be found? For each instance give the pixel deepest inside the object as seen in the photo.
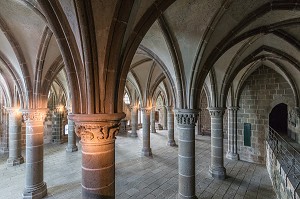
(216, 112)
(146, 110)
(187, 116)
(97, 128)
(13, 111)
(297, 111)
(169, 108)
(34, 115)
(233, 108)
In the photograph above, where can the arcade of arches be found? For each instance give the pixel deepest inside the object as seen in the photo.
(83, 72)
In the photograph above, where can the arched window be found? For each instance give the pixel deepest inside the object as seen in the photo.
(126, 99)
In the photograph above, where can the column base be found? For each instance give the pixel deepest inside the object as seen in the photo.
(94, 195)
(133, 134)
(57, 141)
(147, 152)
(171, 143)
(37, 192)
(15, 161)
(232, 156)
(71, 149)
(153, 131)
(218, 172)
(186, 197)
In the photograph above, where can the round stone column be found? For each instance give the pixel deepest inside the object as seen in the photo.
(217, 169)
(186, 121)
(165, 119)
(152, 119)
(171, 141)
(35, 187)
(232, 134)
(199, 132)
(134, 121)
(14, 130)
(146, 150)
(57, 131)
(71, 147)
(97, 132)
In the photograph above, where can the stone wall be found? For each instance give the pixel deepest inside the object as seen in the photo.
(261, 89)
(281, 183)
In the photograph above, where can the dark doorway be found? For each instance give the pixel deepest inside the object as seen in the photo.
(278, 118)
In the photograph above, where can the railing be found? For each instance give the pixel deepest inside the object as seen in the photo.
(288, 157)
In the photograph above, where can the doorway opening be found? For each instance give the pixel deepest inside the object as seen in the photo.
(278, 119)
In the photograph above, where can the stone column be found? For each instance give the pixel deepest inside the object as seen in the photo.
(134, 121)
(199, 124)
(71, 147)
(146, 151)
(171, 141)
(35, 187)
(165, 120)
(186, 120)
(97, 132)
(152, 119)
(14, 130)
(4, 133)
(217, 169)
(232, 134)
(57, 121)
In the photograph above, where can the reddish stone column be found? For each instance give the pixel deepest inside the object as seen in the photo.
(35, 186)
(97, 132)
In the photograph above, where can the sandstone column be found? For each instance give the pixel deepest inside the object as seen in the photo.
(71, 147)
(97, 132)
(134, 121)
(35, 186)
(165, 120)
(146, 151)
(186, 120)
(217, 169)
(14, 130)
(171, 141)
(152, 119)
(232, 134)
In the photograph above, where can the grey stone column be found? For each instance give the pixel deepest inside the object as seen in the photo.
(146, 150)
(97, 132)
(14, 130)
(186, 120)
(57, 121)
(165, 119)
(171, 141)
(199, 124)
(35, 186)
(134, 121)
(217, 169)
(71, 147)
(232, 134)
(4, 133)
(152, 120)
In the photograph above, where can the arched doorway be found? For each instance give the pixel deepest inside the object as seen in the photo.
(278, 118)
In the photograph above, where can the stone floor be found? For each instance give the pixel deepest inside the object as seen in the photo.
(142, 177)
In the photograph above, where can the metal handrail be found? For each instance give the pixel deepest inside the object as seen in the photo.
(287, 155)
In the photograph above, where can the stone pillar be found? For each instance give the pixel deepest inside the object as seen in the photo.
(71, 147)
(171, 141)
(57, 125)
(186, 121)
(97, 132)
(134, 121)
(217, 169)
(14, 130)
(146, 150)
(165, 120)
(232, 134)
(4, 133)
(199, 124)
(152, 119)
(35, 187)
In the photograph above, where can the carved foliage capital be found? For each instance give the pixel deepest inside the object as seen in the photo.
(186, 118)
(146, 110)
(96, 132)
(216, 112)
(34, 115)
